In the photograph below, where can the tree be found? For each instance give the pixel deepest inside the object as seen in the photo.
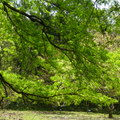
(51, 53)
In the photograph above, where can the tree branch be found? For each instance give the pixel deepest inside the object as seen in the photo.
(30, 94)
(31, 17)
(17, 91)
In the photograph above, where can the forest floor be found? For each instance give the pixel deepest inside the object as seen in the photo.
(53, 115)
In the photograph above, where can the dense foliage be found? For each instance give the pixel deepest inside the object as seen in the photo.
(60, 51)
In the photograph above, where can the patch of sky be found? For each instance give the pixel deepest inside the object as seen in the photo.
(105, 4)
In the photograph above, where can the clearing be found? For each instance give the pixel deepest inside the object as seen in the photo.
(52, 115)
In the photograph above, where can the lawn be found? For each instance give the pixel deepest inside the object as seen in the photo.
(53, 115)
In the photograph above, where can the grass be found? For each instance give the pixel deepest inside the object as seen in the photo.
(53, 115)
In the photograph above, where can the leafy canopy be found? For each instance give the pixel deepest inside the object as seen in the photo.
(48, 49)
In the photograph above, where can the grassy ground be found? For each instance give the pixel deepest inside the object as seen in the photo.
(53, 115)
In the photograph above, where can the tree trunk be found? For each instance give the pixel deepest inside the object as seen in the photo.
(110, 114)
(1, 103)
(110, 111)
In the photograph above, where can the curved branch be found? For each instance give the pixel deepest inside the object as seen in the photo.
(17, 91)
(55, 44)
(30, 94)
(31, 17)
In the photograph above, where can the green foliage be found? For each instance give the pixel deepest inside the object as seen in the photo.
(48, 51)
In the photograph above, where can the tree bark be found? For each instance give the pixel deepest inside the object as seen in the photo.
(110, 111)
